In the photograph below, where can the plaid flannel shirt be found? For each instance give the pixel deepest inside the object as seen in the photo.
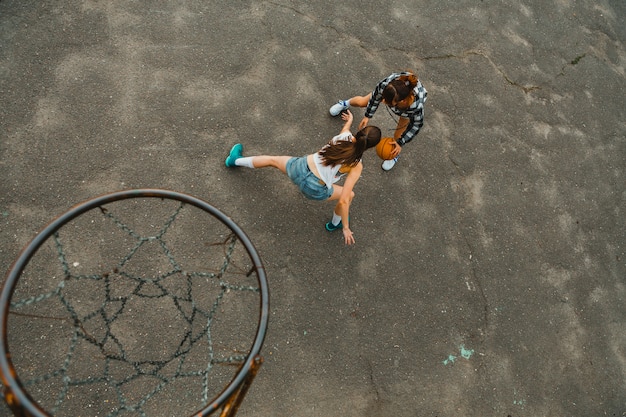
(415, 112)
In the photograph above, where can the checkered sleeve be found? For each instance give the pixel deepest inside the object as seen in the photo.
(377, 94)
(415, 124)
(415, 115)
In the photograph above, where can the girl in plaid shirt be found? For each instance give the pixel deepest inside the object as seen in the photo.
(404, 95)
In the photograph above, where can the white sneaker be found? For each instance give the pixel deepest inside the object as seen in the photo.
(388, 164)
(339, 107)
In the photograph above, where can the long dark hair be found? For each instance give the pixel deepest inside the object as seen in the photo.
(399, 88)
(348, 152)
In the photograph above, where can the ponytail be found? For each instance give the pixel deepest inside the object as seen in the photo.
(371, 134)
(410, 80)
(349, 153)
(400, 88)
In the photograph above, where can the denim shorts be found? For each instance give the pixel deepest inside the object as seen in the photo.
(311, 186)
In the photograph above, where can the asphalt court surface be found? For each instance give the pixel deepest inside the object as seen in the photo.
(488, 276)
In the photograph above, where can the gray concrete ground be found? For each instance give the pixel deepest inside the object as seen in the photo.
(489, 273)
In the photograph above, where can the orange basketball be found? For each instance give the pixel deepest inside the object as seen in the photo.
(384, 148)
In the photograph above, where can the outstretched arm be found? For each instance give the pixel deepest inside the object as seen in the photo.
(348, 117)
(345, 199)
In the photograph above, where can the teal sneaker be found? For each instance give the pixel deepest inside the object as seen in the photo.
(331, 227)
(235, 153)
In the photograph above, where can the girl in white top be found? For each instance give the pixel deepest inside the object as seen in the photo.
(316, 174)
(330, 174)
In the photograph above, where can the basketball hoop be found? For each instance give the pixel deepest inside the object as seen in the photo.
(137, 302)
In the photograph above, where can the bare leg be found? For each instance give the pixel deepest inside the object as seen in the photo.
(337, 190)
(360, 101)
(356, 101)
(263, 161)
(342, 210)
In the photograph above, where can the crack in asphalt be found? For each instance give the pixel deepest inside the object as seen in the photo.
(476, 52)
(475, 276)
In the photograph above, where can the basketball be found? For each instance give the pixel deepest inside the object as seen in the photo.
(384, 148)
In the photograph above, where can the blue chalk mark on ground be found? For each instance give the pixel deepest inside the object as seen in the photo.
(465, 353)
(451, 359)
(520, 403)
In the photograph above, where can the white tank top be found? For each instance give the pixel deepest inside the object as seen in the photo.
(330, 173)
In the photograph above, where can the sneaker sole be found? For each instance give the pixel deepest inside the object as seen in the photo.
(336, 113)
